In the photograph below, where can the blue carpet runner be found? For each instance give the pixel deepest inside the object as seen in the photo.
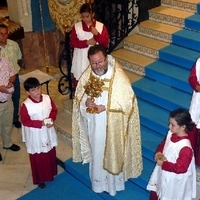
(164, 88)
(63, 187)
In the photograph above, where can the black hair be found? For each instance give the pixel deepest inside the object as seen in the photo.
(183, 117)
(95, 49)
(87, 7)
(30, 83)
(3, 26)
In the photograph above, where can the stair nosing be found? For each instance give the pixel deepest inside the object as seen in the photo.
(180, 5)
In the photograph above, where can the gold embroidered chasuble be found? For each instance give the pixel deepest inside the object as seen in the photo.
(122, 151)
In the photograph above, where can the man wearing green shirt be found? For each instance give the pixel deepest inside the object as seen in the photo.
(10, 50)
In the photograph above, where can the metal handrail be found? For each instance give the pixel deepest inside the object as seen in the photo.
(65, 84)
(120, 18)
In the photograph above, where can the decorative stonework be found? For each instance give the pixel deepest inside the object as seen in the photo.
(68, 105)
(63, 133)
(167, 19)
(141, 49)
(65, 16)
(165, 37)
(131, 67)
(180, 5)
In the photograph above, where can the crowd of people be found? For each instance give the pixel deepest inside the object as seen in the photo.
(105, 120)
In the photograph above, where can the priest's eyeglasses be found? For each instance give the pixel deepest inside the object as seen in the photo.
(100, 62)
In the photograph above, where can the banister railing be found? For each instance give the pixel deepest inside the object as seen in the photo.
(144, 6)
(119, 16)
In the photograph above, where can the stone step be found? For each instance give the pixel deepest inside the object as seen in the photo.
(133, 186)
(133, 77)
(193, 22)
(67, 104)
(63, 125)
(184, 5)
(187, 38)
(169, 16)
(161, 95)
(157, 30)
(144, 45)
(198, 175)
(131, 61)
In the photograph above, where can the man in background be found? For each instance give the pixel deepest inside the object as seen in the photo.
(7, 78)
(10, 50)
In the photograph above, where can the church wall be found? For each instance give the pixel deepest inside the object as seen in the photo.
(34, 51)
(32, 45)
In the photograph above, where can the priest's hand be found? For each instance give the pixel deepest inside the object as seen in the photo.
(90, 103)
(101, 108)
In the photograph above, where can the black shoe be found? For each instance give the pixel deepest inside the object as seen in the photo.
(0, 157)
(17, 124)
(42, 185)
(14, 147)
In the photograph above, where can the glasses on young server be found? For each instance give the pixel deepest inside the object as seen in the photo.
(100, 62)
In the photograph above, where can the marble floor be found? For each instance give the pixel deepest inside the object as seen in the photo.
(15, 178)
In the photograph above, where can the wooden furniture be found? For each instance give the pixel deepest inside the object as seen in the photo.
(15, 31)
(41, 76)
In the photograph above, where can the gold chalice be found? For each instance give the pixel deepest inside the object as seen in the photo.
(93, 88)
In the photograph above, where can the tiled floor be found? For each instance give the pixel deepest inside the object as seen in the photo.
(15, 178)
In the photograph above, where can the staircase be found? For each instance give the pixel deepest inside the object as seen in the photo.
(169, 42)
(157, 58)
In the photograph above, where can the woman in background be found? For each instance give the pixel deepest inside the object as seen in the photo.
(174, 176)
(86, 33)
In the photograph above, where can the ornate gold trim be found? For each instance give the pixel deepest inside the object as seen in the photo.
(65, 16)
(132, 67)
(141, 49)
(165, 37)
